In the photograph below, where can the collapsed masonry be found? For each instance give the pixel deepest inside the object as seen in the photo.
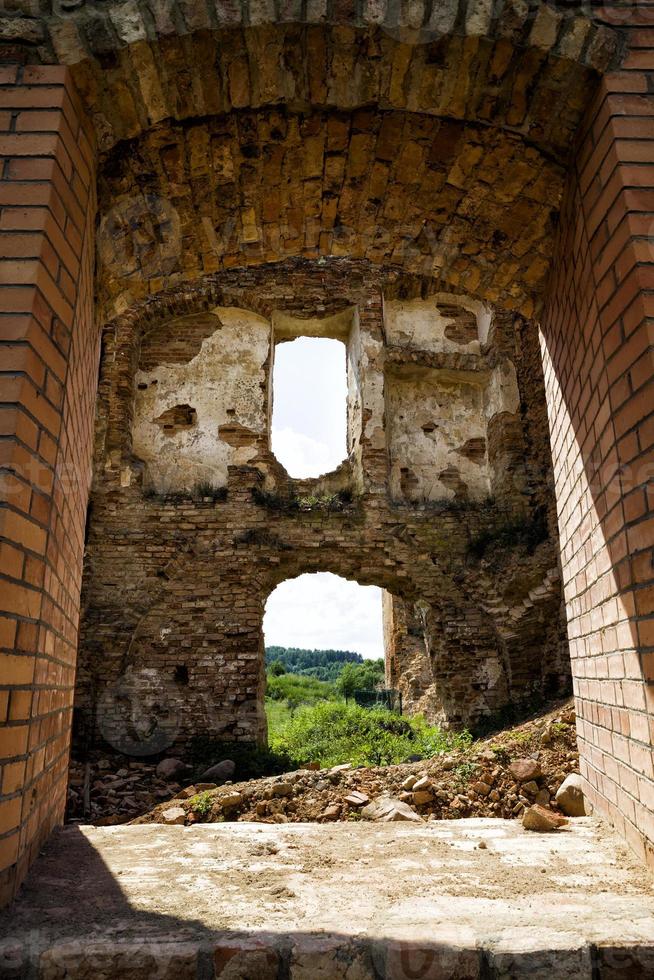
(445, 501)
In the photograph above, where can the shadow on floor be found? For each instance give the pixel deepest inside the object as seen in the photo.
(73, 921)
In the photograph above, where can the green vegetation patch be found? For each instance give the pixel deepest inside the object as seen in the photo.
(199, 493)
(297, 690)
(289, 502)
(334, 732)
(201, 803)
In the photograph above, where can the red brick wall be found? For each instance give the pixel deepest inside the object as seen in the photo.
(48, 371)
(598, 347)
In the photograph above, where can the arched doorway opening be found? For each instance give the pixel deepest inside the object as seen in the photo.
(323, 640)
(320, 610)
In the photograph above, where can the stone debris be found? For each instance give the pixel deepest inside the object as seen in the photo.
(482, 781)
(172, 769)
(525, 770)
(220, 773)
(540, 819)
(388, 810)
(357, 799)
(229, 800)
(174, 815)
(570, 796)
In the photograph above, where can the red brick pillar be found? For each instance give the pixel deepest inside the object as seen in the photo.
(598, 334)
(48, 371)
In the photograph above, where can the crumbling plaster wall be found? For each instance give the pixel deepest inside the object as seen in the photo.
(445, 323)
(225, 384)
(176, 583)
(441, 403)
(437, 437)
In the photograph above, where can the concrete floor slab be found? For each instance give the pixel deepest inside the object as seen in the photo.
(245, 901)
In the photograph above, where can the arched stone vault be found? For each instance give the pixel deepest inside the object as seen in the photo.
(421, 138)
(469, 207)
(436, 153)
(138, 63)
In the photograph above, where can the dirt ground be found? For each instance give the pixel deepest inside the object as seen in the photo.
(476, 782)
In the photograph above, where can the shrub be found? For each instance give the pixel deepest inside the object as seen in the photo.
(201, 803)
(367, 676)
(333, 733)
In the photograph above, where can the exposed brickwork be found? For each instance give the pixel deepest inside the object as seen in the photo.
(506, 64)
(467, 205)
(598, 350)
(48, 358)
(526, 72)
(183, 580)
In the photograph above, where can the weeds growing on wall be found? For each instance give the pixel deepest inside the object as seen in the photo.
(289, 502)
(204, 491)
(333, 733)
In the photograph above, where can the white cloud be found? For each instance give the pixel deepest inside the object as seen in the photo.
(301, 455)
(324, 611)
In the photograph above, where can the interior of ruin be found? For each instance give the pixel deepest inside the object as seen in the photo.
(445, 499)
(462, 194)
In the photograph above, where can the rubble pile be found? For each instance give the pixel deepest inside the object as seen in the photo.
(113, 789)
(501, 776)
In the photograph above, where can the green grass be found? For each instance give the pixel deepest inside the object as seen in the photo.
(333, 732)
(278, 714)
(309, 721)
(296, 690)
(285, 694)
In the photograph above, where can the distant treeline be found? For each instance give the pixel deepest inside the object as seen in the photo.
(326, 665)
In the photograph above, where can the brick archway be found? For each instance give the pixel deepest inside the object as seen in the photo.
(596, 340)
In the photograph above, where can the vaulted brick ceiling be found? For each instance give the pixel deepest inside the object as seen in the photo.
(428, 137)
(467, 205)
(532, 75)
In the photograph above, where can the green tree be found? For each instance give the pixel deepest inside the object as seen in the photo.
(276, 668)
(348, 681)
(366, 676)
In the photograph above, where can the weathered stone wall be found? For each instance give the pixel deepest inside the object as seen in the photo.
(504, 88)
(194, 417)
(185, 548)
